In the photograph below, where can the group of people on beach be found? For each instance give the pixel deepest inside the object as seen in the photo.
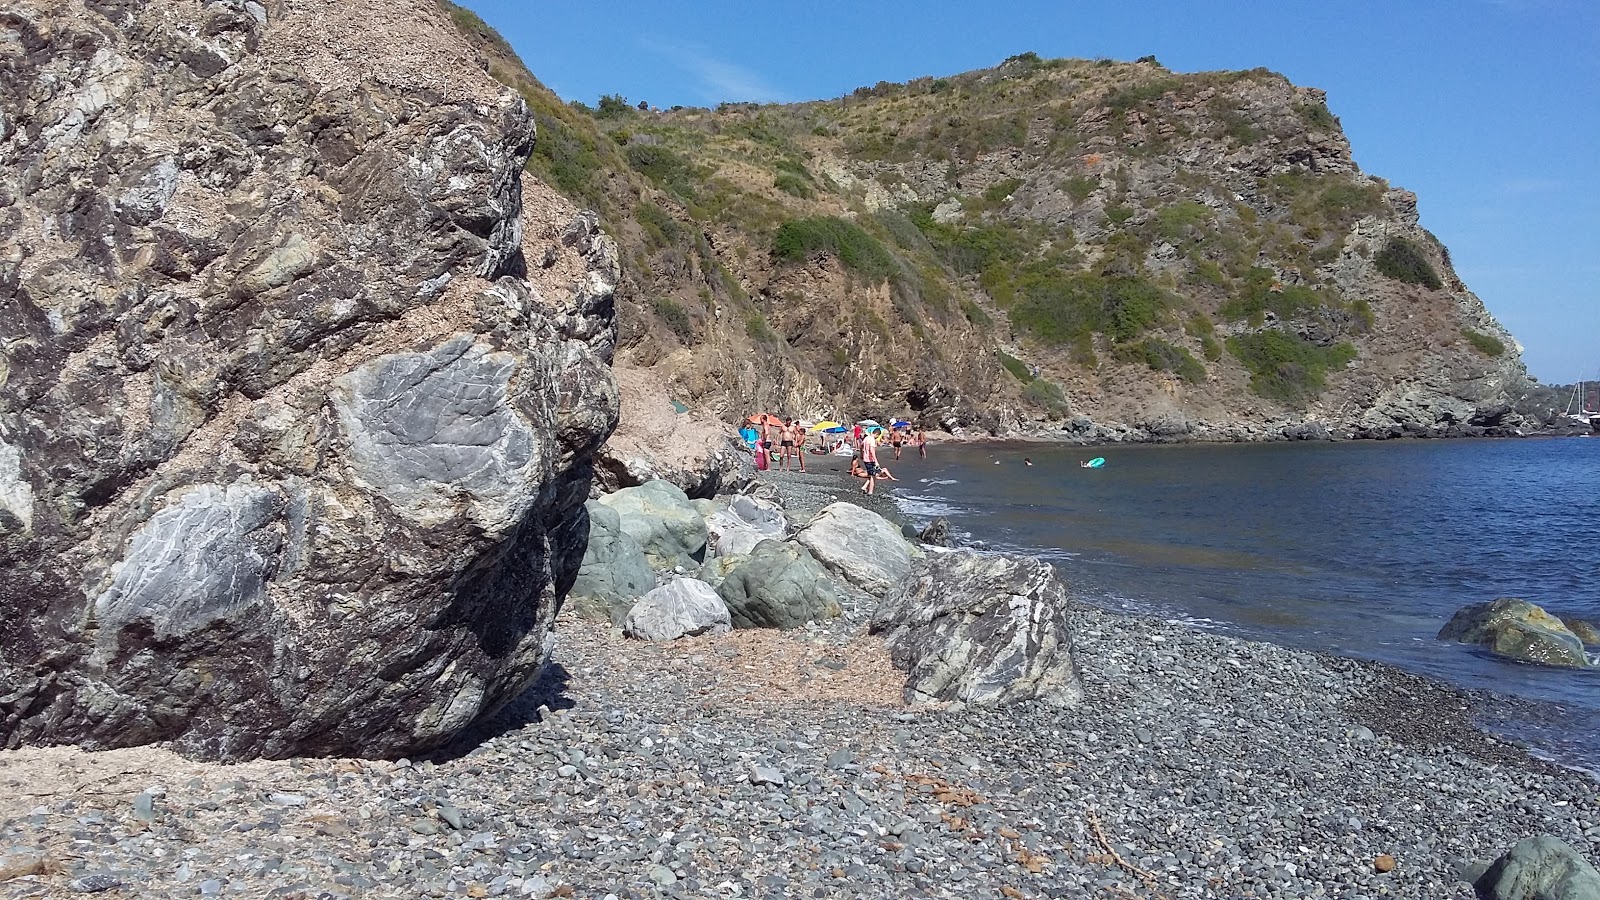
(787, 438)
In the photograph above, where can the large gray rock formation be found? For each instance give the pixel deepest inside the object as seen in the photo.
(683, 607)
(1519, 630)
(981, 630)
(614, 573)
(291, 454)
(780, 585)
(859, 545)
(746, 522)
(1540, 868)
(660, 516)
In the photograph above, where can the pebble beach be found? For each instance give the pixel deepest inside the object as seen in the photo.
(784, 764)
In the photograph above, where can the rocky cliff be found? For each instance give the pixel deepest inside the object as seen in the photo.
(1085, 249)
(300, 378)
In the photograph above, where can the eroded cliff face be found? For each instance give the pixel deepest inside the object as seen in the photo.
(293, 439)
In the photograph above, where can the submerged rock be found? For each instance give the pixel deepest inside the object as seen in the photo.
(780, 585)
(859, 545)
(683, 607)
(981, 630)
(1519, 630)
(291, 453)
(1540, 868)
(1583, 630)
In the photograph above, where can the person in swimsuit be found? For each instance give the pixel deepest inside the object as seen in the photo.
(922, 443)
(869, 461)
(798, 433)
(786, 443)
(896, 439)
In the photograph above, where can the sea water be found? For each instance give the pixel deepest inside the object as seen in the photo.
(1363, 549)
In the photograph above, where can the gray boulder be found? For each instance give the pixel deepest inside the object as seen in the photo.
(614, 573)
(683, 607)
(661, 518)
(780, 585)
(292, 454)
(1519, 630)
(717, 568)
(746, 522)
(1540, 868)
(860, 546)
(981, 630)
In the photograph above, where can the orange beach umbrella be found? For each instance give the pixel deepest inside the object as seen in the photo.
(763, 419)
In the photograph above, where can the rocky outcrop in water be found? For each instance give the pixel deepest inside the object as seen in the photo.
(291, 450)
(1519, 630)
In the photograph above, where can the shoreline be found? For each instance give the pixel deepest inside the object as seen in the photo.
(1466, 732)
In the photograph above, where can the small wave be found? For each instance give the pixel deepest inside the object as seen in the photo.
(929, 507)
(938, 481)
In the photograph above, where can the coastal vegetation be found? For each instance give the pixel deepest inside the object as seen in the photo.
(1404, 260)
(1286, 366)
(1048, 204)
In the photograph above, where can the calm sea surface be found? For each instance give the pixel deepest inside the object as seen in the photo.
(1362, 549)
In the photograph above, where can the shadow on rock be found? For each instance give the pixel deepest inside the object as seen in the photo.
(544, 696)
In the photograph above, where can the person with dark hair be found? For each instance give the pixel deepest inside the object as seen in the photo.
(869, 461)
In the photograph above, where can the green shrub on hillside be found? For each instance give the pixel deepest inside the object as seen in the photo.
(1000, 190)
(1080, 187)
(755, 325)
(613, 106)
(660, 229)
(568, 158)
(1262, 294)
(676, 318)
(1140, 94)
(669, 171)
(1316, 115)
(790, 183)
(1486, 344)
(1286, 366)
(1164, 357)
(1047, 394)
(797, 239)
(1403, 260)
(1176, 221)
(1061, 307)
(1119, 214)
(1015, 366)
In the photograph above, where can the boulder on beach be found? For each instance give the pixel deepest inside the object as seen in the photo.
(1540, 868)
(860, 546)
(294, 442)
(614, 573)
(981, 629)
(659, 515)
(683, 607)
(780, 585)
(746, 522)
(716, 568)
(1519, 630)
(936, 533)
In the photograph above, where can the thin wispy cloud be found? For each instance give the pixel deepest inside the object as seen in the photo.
(716, 79)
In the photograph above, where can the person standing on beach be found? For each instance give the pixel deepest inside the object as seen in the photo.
(896, 439)
(785, 442)
(922, 443)
(798, 435)
(869, 461)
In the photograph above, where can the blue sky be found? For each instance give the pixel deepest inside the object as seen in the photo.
(1488, 109)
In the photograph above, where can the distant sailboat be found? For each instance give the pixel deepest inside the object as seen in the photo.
(1579, 411)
